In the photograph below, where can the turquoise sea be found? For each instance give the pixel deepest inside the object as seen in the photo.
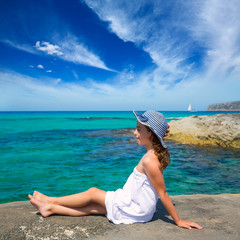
(61, 153)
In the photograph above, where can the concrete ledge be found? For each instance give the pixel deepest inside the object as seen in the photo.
(219, 215)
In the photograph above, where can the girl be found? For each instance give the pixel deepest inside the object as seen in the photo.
(136, 202)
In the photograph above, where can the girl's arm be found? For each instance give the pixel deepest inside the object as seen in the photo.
(152, 170)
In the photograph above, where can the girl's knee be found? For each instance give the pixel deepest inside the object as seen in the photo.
(93, 190)
(97, 195)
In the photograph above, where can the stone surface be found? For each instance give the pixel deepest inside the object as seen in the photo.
(218, 130)
(219, 215)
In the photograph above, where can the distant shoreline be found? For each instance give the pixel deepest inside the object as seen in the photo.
(223, 110)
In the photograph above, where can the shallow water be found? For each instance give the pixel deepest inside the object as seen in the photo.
(60, 153)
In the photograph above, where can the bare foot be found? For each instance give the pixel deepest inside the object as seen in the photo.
(42, 207)
(41, 197)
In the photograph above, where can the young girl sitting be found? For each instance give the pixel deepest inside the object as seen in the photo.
(136, 202)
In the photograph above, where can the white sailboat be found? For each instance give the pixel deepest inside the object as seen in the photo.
(190, 108)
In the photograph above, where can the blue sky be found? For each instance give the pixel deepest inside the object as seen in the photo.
(118, 54)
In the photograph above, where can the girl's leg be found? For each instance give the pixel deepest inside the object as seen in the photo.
(47, 209)
(93, 195)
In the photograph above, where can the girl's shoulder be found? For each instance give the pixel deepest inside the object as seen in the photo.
(150, 158)
(151, 164)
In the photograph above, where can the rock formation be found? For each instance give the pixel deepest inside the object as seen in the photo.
(218, 130)
(229, 106)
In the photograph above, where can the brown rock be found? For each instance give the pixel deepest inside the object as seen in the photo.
(218, 130)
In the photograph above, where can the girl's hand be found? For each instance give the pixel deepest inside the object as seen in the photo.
(168, 130)
(187, 224)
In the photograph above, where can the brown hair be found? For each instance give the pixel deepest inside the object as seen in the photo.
(162, 153)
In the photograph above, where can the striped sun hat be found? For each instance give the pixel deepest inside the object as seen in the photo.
(155, 121)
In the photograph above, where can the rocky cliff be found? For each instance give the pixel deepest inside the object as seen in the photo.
(229, 106)
(218, 130)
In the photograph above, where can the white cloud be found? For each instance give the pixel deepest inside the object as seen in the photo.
(173, 32)
(21, 92)
(145, 24)
(49, 71)
(75, 75)
(22, 47)
(218, 29)
(78, 53)
(40, 66)
(69, 49)
(48, 48)
(122, 17)
(58, 80)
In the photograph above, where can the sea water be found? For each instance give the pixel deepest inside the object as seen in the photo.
(61, 153)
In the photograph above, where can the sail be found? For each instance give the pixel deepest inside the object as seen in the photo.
(190, 107)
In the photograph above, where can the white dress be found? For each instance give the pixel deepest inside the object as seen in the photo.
(136, 202)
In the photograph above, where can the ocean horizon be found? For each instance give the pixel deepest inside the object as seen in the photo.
(65, 152)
